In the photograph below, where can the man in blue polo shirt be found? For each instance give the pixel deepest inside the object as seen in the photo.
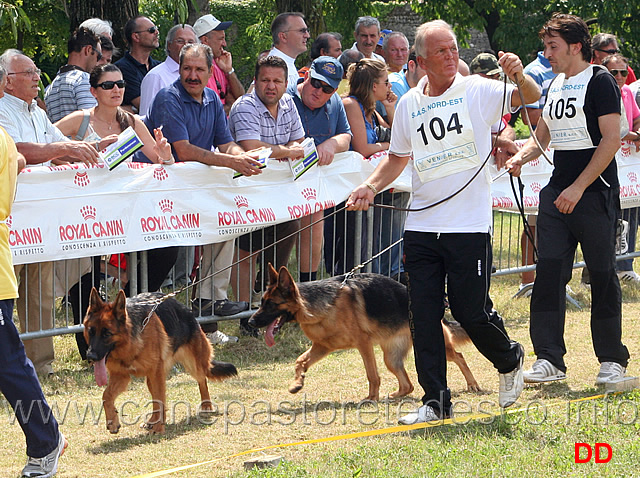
(194, 123)
(324, 120)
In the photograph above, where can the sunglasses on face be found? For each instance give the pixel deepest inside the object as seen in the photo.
(612, 51)
(98, 53)
(108, 85)
(624, 73)
(152, 29)
(317, 84)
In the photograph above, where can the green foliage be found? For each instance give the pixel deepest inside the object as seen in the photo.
(13, 15)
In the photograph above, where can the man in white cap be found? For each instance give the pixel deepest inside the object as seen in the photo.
(224, 80)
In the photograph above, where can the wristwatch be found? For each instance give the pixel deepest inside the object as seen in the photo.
(231, 71)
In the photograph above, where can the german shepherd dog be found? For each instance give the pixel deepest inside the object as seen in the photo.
(121, 343)
(366, 310)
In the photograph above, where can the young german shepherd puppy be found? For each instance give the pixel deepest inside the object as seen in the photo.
(121, 344)
(368, 309)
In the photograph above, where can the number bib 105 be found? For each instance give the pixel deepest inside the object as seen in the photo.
(441, 134)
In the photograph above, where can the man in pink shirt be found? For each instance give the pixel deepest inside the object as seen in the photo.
(224, 80)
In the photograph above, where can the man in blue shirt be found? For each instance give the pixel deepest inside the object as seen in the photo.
(323, 119)
(194, 123)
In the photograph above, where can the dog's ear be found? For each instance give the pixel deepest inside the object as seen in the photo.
(273, 274)
(285, 281)
(95, 301)
(120, 306)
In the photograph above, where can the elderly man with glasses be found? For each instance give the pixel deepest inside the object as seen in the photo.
(39, 141)
(168, 71)
(142, 37)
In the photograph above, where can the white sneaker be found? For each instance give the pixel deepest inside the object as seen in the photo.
(46, 466)
(422, 415)
(511, 383)
(543, 371)
(525, 290)
(219, 338)
(628, 276)
(610, 372)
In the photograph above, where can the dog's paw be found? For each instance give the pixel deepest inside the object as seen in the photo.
(153, 428)
(113, 426)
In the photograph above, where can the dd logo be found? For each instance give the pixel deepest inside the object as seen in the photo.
(590, 452)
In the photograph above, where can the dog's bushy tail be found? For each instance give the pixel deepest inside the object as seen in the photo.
(222, 370)
(457, 333)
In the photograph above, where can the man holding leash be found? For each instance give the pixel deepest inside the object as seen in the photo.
(581, 203)
(444, 125)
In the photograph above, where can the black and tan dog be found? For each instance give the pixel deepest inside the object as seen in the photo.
(366, 310)
(121, 343)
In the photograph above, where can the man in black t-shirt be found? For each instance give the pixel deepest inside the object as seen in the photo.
(581, 203)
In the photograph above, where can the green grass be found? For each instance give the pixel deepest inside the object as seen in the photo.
(527, 443)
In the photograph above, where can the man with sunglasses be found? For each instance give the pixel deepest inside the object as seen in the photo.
(69, 90)
(142, 37)
(290, 34)
(224, 81)
(603, 45)
(324, 120)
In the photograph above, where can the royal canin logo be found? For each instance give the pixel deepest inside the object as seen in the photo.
(88, 212)
(90, 228)
(241, 201)
(535, 187)
(30, 236)
(633, 177)
(169, 221)
(166, 205)
(309, 194)
(136, 165)
(81, 178)
(160, 173)
(245, 215)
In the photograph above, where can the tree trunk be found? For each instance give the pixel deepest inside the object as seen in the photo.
(116, 11)
(200, 8)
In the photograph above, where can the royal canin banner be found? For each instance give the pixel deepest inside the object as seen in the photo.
(536, 174)
(66, 212)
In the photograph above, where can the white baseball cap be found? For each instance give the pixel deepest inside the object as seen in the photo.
(207, 23)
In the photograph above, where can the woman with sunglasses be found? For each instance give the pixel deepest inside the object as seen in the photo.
(368, 83)
(108, 118)
(617, 66)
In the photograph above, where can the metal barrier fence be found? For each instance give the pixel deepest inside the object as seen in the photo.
(350, 238)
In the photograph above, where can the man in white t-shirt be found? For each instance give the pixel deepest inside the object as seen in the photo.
(290, 35)
(444, 126)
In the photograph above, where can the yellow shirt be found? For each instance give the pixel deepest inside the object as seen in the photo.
(8, 173)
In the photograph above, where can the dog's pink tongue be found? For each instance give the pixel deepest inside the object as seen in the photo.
(100, 372)
(268, 335)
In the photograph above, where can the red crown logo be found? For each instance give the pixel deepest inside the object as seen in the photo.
(81, 179)
(241, 201)
(535, 162)
(166, 205)
(535, 187)
(309, 193)
(160, 173)
(88, 212)
(633, 177)
(9, 221)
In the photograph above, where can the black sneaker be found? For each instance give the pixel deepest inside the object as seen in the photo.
(227, 307)
(201, 307)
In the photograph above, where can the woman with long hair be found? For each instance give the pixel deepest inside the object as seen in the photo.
(108, 118)
(368, 83)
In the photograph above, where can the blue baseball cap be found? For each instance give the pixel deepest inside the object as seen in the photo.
(383, 35)
(327, 69)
